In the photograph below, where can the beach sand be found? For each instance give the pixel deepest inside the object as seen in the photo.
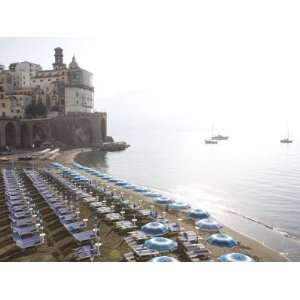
(246, 245)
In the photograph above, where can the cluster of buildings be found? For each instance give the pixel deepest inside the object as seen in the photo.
(62, 90)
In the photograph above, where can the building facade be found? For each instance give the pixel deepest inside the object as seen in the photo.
(62, 90)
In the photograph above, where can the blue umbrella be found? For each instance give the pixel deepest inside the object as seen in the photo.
(121, 183)
(130, 186)
(161, 244)
(163, 259)
(107, 177)
(198, 214)
(163, 200)
(179, 206)
(113, 180)
(141, 189)
(208, 225)
(152, 194)
(155, 229)
(222, 240)
(235, 257)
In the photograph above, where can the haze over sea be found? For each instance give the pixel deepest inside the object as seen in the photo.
(250, 182)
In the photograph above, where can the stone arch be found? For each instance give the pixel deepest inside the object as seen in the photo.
(11, 134)
(39, 134)
(26, 136)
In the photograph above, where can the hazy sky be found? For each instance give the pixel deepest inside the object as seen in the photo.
(219, 60)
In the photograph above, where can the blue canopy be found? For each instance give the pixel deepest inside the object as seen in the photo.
(198, 214)
(107, 177)
(155, 229)
(113, 179)
(161, 244)
(152, 194)
(130, 186)
(208, 225)
(179, 206)
(163, 259)
(235, 257)
(222, 240)
(164, 200)
(140, 189)
(121, 183)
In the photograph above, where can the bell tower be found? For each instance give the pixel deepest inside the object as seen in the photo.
(59, 59)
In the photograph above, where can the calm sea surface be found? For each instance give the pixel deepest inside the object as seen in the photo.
(250, 182)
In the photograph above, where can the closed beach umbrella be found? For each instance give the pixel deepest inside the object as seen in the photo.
(179, 206)
(163, 259)
(208, 225)
(161, 244)
(198, 214)
(164, 200)
(235, 257)
(155, 229)
(222, 240)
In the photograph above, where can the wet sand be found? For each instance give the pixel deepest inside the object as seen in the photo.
(246, 245)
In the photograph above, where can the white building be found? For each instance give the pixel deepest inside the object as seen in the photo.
(62, 89)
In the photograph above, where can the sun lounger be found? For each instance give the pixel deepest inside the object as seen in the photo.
(84, 236)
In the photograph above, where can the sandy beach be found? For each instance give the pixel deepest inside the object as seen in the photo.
(246, 245)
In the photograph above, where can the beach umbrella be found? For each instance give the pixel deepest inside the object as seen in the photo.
(161, 244)
(155, 229)
(140, 189)
(107, 177)
(179, 206)
(235, 257)
(152, 194)
(163, 259)
(113, 180)
(129, 186)
(208, 225)
(198, 214)
(121, 183)
(164, 200)
(222, 240)
(95, 173)
(102, 175)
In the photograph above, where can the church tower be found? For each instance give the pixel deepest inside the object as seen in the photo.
(59, 59)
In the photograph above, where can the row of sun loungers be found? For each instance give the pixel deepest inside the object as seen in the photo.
(120, 213)
(24, 217)
(68, 216)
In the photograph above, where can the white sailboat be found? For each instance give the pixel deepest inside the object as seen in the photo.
(211, 140)
(287, 140)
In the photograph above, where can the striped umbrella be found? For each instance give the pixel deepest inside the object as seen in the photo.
(235, 257)
(161, 244)
(208, 225)
(163, 259)
(222, 240)
(155, 229)
(198, 214)
(179, 206)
